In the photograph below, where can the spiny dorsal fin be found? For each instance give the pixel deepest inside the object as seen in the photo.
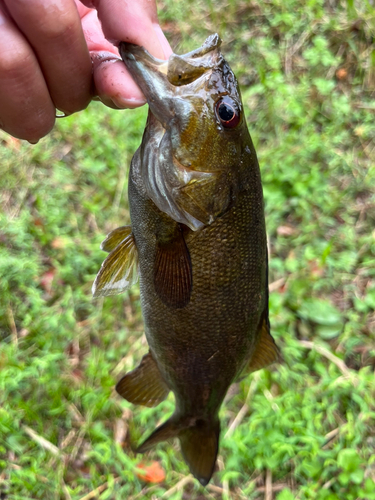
(266, 351)
(115, 237)
(172, 272)
(144, 385)
(118, 271)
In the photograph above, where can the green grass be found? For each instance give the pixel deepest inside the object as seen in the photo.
(307, 429)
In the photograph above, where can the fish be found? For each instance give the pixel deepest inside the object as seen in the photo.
(197, 241)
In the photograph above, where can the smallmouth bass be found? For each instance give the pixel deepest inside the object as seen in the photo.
(198, 239)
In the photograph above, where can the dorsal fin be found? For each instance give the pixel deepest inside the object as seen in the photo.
(173, 273)
(115, 237)
(118, 271)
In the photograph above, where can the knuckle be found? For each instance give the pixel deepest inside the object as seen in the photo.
(14, 64)
(52, 31)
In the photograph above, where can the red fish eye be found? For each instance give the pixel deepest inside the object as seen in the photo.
(227, 112)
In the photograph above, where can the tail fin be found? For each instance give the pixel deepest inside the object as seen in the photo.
(199, 440)
(168, 430)
(199, 447)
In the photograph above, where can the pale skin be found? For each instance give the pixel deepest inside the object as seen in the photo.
(57, 55)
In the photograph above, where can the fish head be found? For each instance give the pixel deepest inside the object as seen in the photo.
(196, 144)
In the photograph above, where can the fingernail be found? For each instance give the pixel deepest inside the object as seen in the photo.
(163, 41)
(103, 56)
(128, 103)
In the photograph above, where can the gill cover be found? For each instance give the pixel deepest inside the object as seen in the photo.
(183, 133)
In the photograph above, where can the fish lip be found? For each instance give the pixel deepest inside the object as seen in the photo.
(148, 72)
(140, 62)
(132, 52)
(177, 70)
(211, 43)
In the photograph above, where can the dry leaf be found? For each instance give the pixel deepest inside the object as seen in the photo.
(12, 143)
(151, 473)
(341, 74)
(285, 230)
(58, 243)
(46, 280)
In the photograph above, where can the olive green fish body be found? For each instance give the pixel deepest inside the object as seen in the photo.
(198, 238)
(201, 348)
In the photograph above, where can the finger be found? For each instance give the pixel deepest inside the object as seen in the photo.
(115, 86)
(54, 31)
(26, 109)
(113, 83)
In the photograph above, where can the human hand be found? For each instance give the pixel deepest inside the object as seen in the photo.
(53, 54)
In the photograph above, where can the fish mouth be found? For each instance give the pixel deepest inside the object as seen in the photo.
(158, 79)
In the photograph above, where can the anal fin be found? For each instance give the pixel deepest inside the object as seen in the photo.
(144, 385)
(173, 272)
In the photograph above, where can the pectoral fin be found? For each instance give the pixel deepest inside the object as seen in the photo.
(115, 237)
(118, 271)
(144, 385)
(173, 273)
(266, 351)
